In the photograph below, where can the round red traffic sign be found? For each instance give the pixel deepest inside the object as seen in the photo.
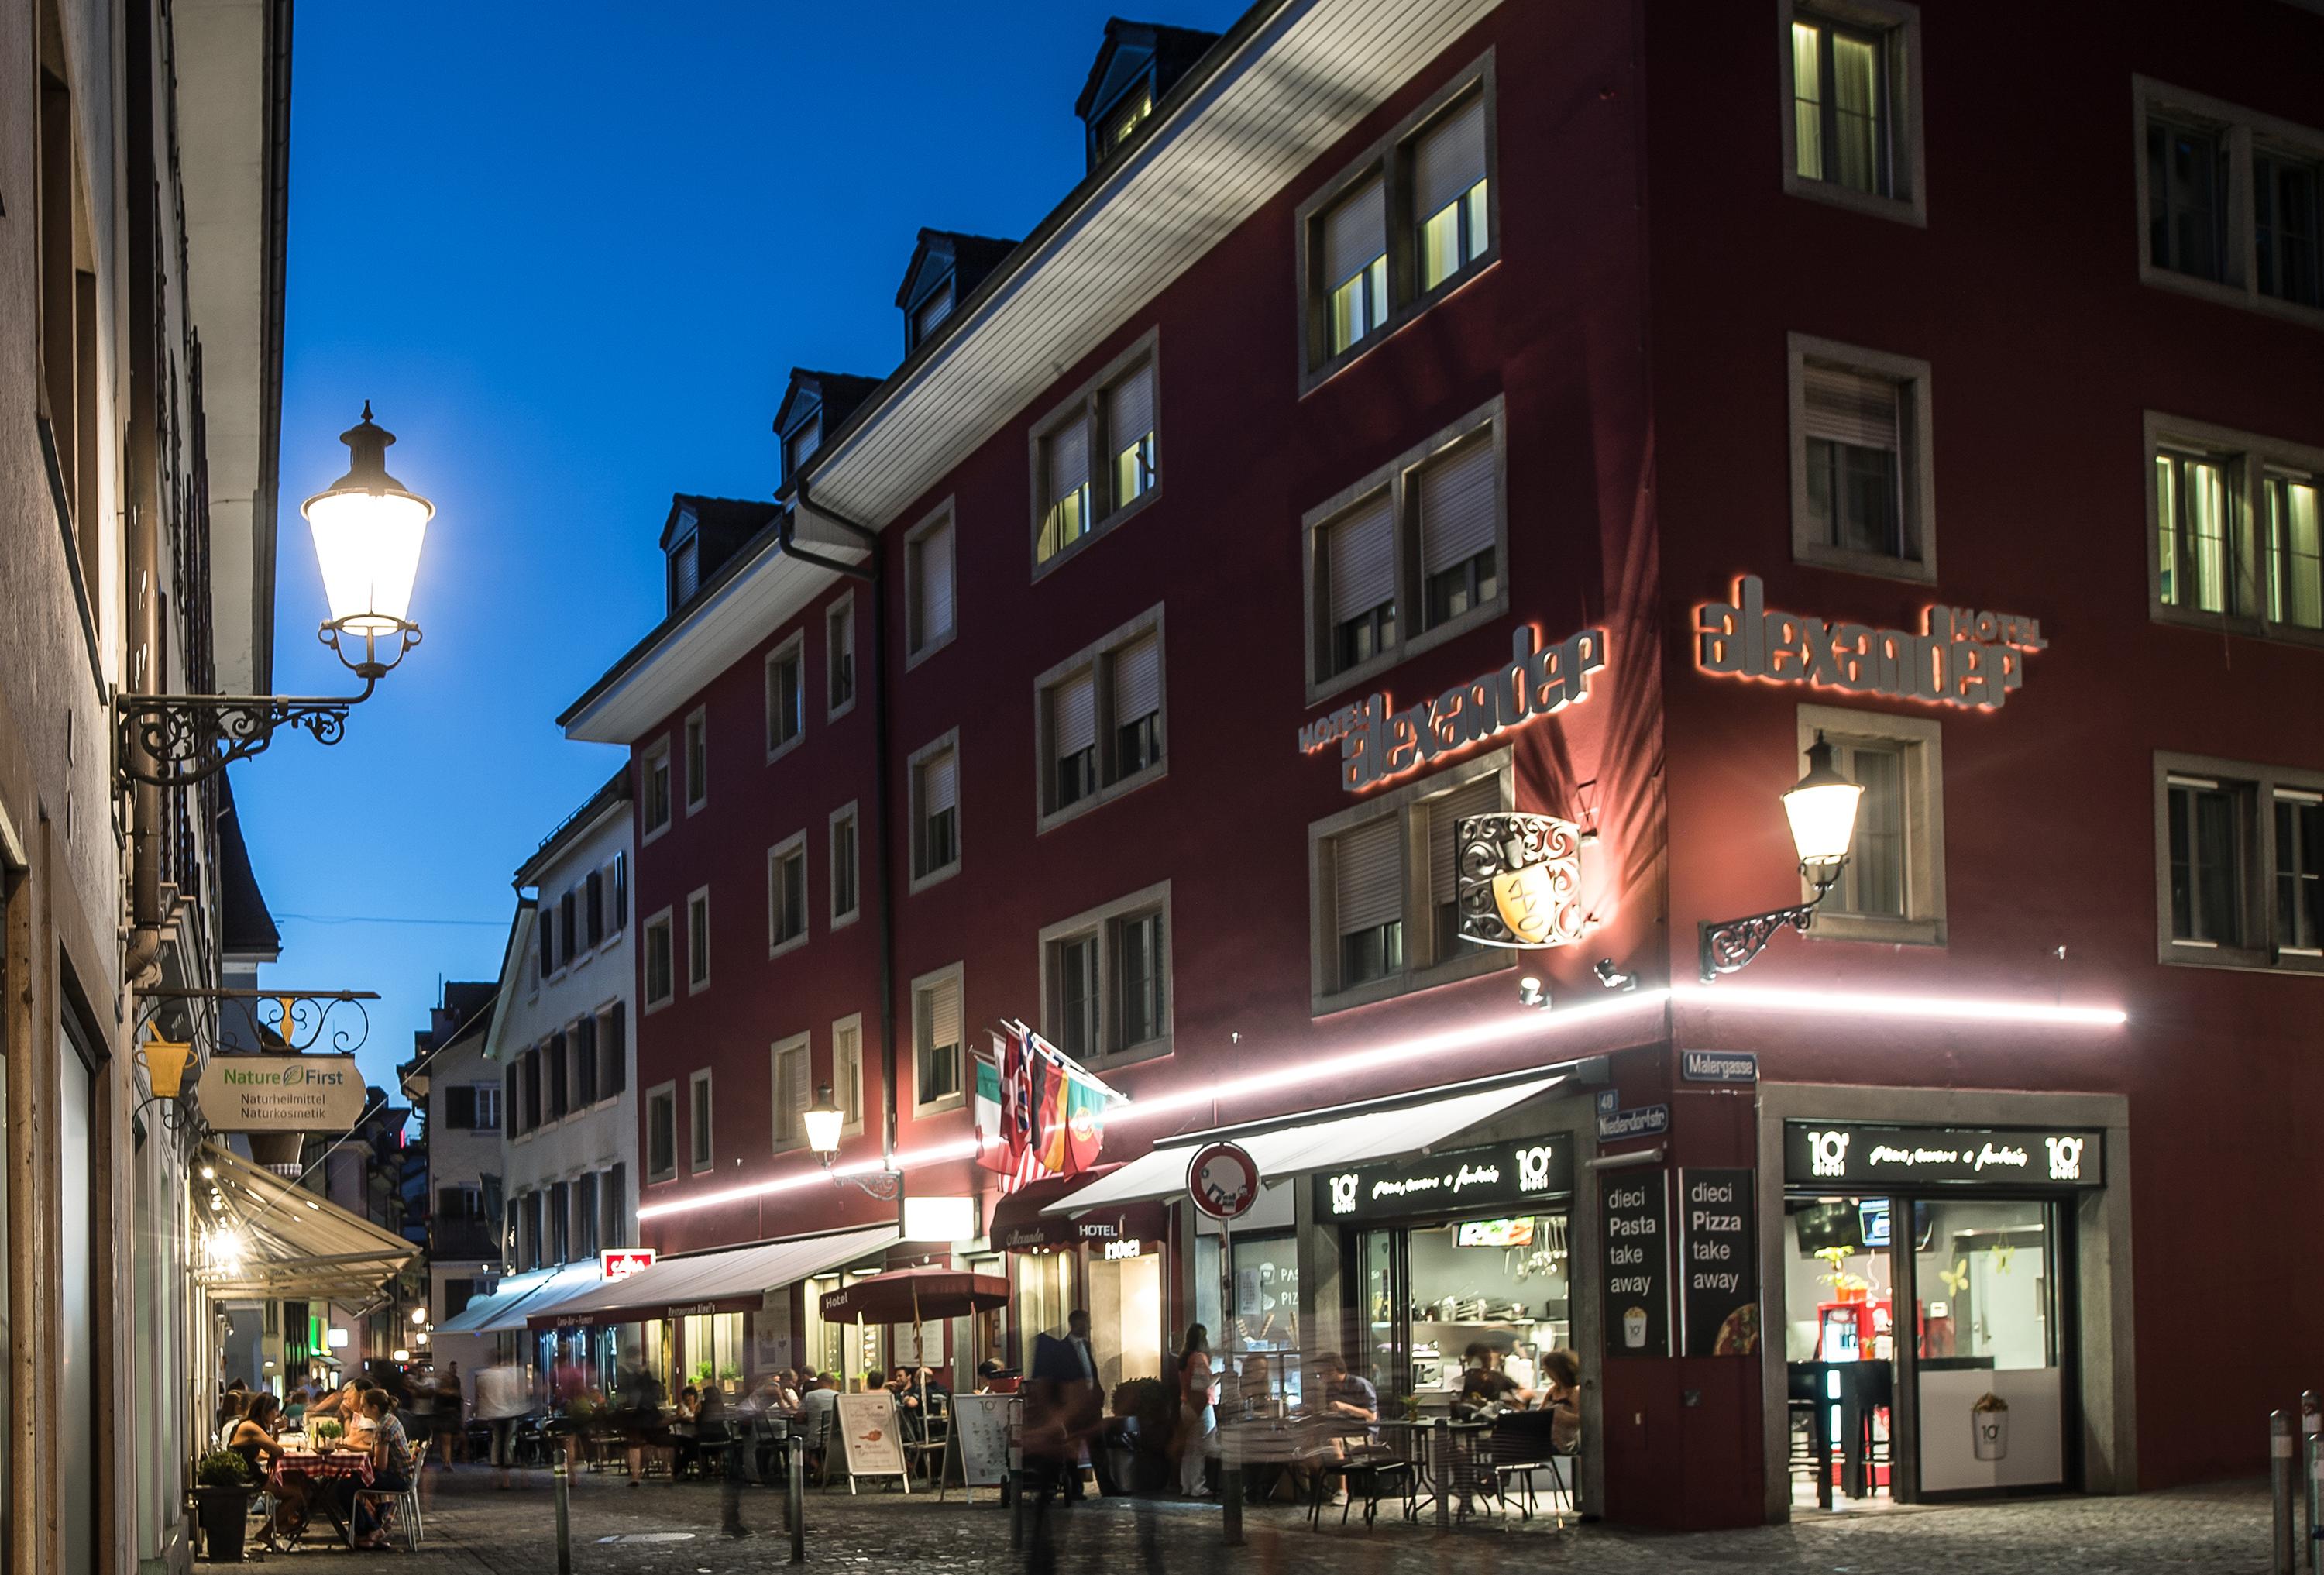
(1223, 1179)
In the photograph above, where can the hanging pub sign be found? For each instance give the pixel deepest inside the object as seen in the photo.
(1839, 1152)
(1520, 879)
(1634, 1207)
(1960, 657)
(281, 1093)
(1719, 1279)
(1378, 742)
(1517, 1172)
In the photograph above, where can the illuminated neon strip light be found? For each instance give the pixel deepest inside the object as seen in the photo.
(1496, 1031)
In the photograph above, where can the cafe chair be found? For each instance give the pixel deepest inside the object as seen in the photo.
(1519, 1451)
(402, 1505)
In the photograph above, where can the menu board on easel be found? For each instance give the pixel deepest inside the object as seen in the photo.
(873, 1436)
(983, 1429)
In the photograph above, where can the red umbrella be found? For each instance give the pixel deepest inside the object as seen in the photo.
(914, 1295)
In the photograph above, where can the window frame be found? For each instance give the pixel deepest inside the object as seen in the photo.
(921, 985)
(666, 1095)
(1922, 742)
(918, 649)
(843, 608)
(701, 1129)
(1898, 24)
(2246, 133)
(1390, 159)
(852, 1023)
(1097, 658)
(665, 922)
(655, 757)
(697, 729)
(1916, 484)
(1104, 923)
(1421, 969)
(793, 844)
(848, 815)
(488, 1094)
(793, 1044)
(698, 924)
(2263, 951)
(791, 649)
(1396, 477)
(1087, 403)
(2252, 459)
(921, 879)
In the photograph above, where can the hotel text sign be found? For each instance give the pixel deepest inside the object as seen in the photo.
(1377, 743)
(1960, 657)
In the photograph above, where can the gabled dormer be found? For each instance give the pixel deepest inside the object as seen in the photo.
(815, 403)
(947, 268)
(701, 534)
(1139, 62)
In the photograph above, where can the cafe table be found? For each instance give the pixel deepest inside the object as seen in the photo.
(349, 1465)
(1443, 1456)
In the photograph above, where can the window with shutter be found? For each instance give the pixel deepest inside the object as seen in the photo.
(1137, 705)
(460, 1107)
(1368, 900)
(1360, 582)
(932, 585)
(1074, 726)
(612, 1040)
(805, 439)
(613, 1210)
(685, 573)
(792, 1094)
(932, 311)
(1354, 244)
(1449, 193)
(620, 889)
(1459, 516)
(559, 1080)
(584, 1062)
(841, 656)
(1851, 424)
(1065, 479)
(938, 839)
(1130, 432)
(1482, 796)
(595, 906)
(568, 927)
(938, 1021)
(544, 931)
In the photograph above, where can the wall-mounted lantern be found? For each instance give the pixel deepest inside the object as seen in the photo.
(1821, 809)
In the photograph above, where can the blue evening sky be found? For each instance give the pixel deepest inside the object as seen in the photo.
(570, 253)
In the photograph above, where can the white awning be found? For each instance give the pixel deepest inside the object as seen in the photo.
(558, 1286)
(737, 1275)
(480, 1311)
(1295, 1150)
(265, 1238)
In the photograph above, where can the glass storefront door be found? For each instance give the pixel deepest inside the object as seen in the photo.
(1044, 1298)
(1440, 1298)
(1992, 1380)
(1125, 1308)
(1839, 1341)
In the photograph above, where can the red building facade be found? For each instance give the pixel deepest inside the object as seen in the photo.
(1711, 353)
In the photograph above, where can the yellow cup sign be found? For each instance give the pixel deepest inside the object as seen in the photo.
(281, 1093)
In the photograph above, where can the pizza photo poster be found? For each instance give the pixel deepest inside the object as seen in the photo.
(873, 1435)
(1718, 1283)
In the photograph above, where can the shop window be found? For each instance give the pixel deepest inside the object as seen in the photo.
(844, 901)
(1404, 224)
(1863, 497)
(786, 926)
(699, 1151)
(791, 1077)
(654, 807)
(839, 657)
(1098, 717)
(1382, 888)
(698, 760)
(786, 681)
(928, 567)
(2239, 879)
(2229, 203)
(1892, 889)
(1096, 457)
(934, 782)
(1106, 977)
(697, 941)
(2233, 528)
(1851, 111)
(1407, 556)
(937, 1039)
(848, 1069)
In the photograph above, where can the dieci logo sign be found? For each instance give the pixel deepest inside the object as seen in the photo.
(1520, 879)
(281, 1093)
(1377, 743)
(1959, 657)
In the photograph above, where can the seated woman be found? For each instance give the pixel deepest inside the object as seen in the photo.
(252, 1438)
(685, 1428)
(1561, 1371)
(391, 1466)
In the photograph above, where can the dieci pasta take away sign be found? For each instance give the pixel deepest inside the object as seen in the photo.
(281, 1093)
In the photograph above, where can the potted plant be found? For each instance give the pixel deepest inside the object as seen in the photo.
(325, 1432)
(222, 1498)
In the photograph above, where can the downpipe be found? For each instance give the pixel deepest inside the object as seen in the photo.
(141, 959)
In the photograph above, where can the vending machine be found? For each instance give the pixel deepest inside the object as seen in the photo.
(1854, 1331)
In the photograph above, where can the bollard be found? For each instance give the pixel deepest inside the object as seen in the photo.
(794, 1500)
(1444, 1473)
(2312, 1438)
(1230, 1500)
(1016, 1508)
(2280, 1459)
(563, 1520)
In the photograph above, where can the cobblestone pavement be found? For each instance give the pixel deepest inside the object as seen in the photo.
(658, 1529)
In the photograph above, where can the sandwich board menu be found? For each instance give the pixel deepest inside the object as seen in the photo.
(983, 1438)
(873, 1435)
(1634, 1207)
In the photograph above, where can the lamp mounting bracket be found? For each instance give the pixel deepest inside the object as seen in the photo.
(175, 740)
(1729, 945)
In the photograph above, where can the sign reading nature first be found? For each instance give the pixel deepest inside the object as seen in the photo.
(281, 1093)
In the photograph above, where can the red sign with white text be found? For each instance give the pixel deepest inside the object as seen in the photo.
(619, 1263)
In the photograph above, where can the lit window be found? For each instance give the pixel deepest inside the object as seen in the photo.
(1066, 487)
(1840, 98)
(1096, 455)
(1106, 977)
(935, 811)
(697, 762)
(2296, 585)
(2194, 503)
(1355, 265)
(1099, 718)
(1449, 190)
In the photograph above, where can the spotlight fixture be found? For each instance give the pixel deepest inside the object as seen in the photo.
(1532, 992)
(1613, 977)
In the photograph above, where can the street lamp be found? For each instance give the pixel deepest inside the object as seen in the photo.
(1821, 809)
(824, 1119)
(368, 528)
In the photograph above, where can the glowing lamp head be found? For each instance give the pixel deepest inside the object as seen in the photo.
(368, 528)
(824, 1119)
(1821, 808)
(419, 1315)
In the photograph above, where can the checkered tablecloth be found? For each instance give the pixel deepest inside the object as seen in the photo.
(354, 1463)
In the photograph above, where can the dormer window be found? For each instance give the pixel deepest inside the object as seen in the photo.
(932, 311)
(685, 572)
(1136, 67)
(802, 443)
(1134, 110)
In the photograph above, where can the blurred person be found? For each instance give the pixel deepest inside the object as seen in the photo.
(1198, 1423)
(504, 1397)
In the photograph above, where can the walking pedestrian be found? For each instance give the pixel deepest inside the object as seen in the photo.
(502, 1398)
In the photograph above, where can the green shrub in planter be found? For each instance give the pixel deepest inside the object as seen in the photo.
(222, 1468)
(222, 1503)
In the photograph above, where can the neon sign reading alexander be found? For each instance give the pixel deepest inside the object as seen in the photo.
(1377, 743)
(1961, 657)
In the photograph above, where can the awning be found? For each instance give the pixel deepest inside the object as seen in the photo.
(481, 1310)
(734, 1279)
(559, 1286)
(268, 1239)
(1292, 1149)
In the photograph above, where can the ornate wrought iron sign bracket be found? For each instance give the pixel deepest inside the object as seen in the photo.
(175, 740)
(1730, 944)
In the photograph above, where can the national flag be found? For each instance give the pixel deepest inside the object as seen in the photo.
(991, 1142)
(1052, 1090)
(1084, 1124)
(1069, 1111)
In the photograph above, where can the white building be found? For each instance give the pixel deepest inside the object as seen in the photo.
(561, 1040)
(459, 1089)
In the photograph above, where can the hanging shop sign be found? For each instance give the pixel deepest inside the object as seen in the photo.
(1223, 1179)
(619, 1263)
(1718, 1065)
(1960, 657)
(1378, 741)
(1634, 1208)
(1520, 879)
(281, 1093)
(1719, 1273)
(1826, 1151)
(1517, 1172)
